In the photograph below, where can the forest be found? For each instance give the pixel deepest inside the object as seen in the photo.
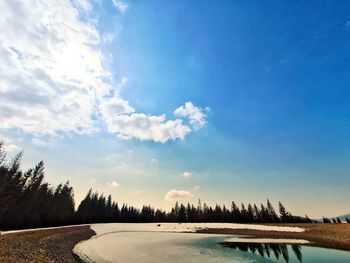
(27, 201)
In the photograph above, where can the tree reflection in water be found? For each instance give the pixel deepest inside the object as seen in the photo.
(265, 250)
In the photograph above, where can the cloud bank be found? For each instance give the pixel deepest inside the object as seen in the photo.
(52, 78)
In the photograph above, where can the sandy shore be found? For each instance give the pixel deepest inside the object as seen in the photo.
(54, 245)
(335, 236)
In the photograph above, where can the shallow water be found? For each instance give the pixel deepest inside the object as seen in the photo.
(269, 252)
(189, 247)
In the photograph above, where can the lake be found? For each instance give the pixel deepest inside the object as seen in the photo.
(204, 248)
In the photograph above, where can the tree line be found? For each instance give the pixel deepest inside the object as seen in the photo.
(335, 220)
(27, 201)
(98, 208)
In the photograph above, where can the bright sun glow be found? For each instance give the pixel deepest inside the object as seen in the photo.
(73, 63)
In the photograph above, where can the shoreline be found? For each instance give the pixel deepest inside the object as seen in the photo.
(333, 236)
(51, 245)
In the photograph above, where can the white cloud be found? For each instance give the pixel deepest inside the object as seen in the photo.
(177, 194)
(122, 120)
(120, 5)
(113, 184)
(8, 146)
(195, 114)
(186, 174)
(142, 126)
(52, 78)
(153, 160)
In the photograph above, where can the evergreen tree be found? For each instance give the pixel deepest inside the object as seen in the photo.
(326, 220)
(250, 214)
(283, 213)
(181, 217)
(236, 214)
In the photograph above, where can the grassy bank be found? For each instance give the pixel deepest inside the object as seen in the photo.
(53, 245)
(335, 236)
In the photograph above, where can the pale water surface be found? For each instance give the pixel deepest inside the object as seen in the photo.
(203, 248)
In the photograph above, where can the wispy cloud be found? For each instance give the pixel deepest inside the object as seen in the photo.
(113, 184)
(108, 38)
(123, 81)
(120, 5)
(186, 174)
(196, 115)
(177, 194)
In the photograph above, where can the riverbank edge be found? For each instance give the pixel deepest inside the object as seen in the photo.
(333, 236)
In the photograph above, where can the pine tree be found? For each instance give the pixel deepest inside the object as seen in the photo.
(283, 213)
(326, 220)
(236, 214)
(182, 214)
(250, 214)
(271, 213)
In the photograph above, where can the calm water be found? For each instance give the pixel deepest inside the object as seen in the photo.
(262, 252)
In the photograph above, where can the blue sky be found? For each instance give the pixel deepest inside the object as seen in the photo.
(155, 102)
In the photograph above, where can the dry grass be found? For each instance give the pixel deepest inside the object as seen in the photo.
(43, 246)
(335, 236)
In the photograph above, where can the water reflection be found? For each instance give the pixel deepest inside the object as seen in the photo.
(279, 251)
